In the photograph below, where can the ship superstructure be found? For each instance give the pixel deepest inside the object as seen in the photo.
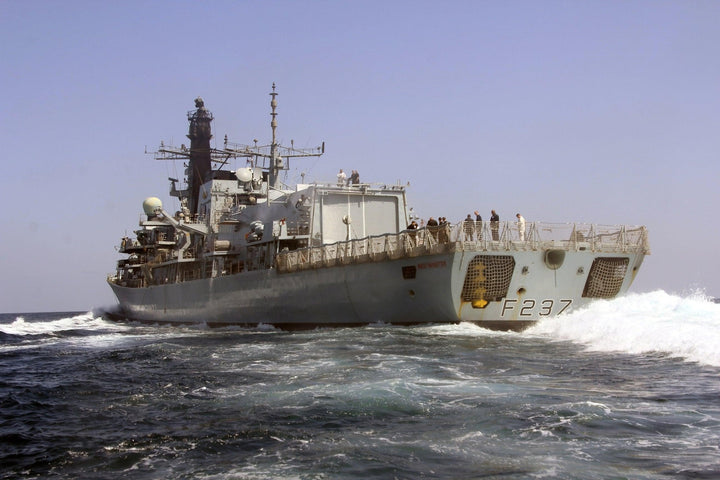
(246, 249)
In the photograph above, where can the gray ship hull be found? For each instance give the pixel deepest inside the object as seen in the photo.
(246, 249)
(410, 290)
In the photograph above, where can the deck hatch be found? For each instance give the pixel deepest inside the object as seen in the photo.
(606, 277)
(487, 279)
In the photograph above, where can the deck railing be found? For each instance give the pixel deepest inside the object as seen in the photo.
(472, 236)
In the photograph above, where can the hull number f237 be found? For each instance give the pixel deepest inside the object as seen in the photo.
(531, 307)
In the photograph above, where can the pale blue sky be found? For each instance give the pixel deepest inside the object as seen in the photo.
(604, 112)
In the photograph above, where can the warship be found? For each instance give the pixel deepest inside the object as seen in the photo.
(244, 248)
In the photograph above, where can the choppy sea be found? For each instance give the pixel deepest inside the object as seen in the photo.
(628, 388)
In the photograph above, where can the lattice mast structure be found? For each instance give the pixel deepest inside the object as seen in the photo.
(271, 158)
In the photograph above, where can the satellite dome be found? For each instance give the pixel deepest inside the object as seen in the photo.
(244, 174)
(151, 204)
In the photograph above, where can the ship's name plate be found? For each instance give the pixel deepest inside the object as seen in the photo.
(438, 264)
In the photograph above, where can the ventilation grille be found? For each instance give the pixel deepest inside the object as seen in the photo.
(606, 277)
(488, 278)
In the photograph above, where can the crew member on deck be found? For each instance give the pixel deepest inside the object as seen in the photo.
(443, 230)
(521, 227)
(354, 178)
(478, 225)
(412, 227)
(432, 226)
(468, 228)
(495, 225)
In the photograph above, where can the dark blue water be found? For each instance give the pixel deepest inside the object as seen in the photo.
(82, 397)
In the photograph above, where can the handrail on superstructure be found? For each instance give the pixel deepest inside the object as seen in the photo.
(473, 236)
(459, 237)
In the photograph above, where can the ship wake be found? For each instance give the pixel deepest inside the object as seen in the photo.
(684, 326)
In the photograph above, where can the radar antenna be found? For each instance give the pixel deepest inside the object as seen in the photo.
(271, 158)
(276, 155)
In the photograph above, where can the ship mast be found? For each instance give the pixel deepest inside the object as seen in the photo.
(200, 155)
(275, 160)
(199, 165)
(279, 155)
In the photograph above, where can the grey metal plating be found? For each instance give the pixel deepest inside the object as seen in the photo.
(246, 249)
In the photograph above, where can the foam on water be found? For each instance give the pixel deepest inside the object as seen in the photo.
(685, 326)
(86, 330)
(86, 321)
(144, 401)
(682, 326)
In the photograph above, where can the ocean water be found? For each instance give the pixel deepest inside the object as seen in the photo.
(628, 388)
